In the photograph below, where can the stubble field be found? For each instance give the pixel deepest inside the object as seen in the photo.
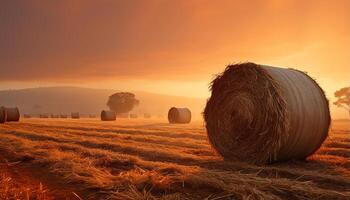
(151, 159)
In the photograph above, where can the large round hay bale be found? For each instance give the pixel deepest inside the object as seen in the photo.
(108, 115)
(179, 115)
(262, 114)
(12, 114)
(2, 115)
(75, 115)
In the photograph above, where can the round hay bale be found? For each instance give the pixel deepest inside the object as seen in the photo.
(44, 116)
(133, 116)
(92, 116)
(108, 115)
(75, 115)
(2, 115)
(12, 114)
(262, 114)
(179, 115)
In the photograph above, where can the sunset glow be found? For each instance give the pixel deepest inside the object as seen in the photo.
(169, 47)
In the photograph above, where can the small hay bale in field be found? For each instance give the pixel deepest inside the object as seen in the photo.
(108, 115)
(2, 115)
(262, 114)
(55, 116)
(179, 115)
(75, 115)
(92, 116)
(12, 114)
(27, 116)
(147, 115)
(44, 116)
(63, 116)
(133, 116)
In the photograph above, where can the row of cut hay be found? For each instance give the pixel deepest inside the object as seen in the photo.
(8, 114)
(263, 114)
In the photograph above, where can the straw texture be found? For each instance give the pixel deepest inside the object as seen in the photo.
(12, 114)
(179, 115)
(262, 114)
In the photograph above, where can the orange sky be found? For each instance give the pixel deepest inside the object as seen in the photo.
(171, 47)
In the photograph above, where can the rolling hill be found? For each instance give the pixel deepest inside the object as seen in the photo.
(91, 101)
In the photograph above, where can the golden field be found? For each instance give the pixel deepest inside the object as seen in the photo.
(151, 159)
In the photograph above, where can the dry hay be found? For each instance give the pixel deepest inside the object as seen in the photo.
(108, 115)
(2, 115)
(75, 115)
(133, 115)
(265, 114)
(179, 115)
(12, 114)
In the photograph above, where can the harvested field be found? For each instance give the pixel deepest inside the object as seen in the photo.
(151, 159)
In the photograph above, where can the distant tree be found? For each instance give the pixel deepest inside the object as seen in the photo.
(122, 102)
(343, 98)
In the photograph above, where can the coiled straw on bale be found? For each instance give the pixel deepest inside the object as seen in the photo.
(108, 115)
(179, 115)
(12, 114)
(262, 114)
(2, 115)
(75, 115)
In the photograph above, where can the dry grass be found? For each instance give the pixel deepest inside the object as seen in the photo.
(11, 189)
(148, 159)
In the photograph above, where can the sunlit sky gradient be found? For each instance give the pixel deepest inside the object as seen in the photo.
(169, 47)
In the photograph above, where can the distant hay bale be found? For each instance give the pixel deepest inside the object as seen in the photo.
(75, 115)
(133, 116)
(147, 115)
(179, 115)
(27, 116)
(63, 116)
(43, 116)
(12, 114)
(2, 115)
(262, 114)
(55, 116)
(108, 115)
